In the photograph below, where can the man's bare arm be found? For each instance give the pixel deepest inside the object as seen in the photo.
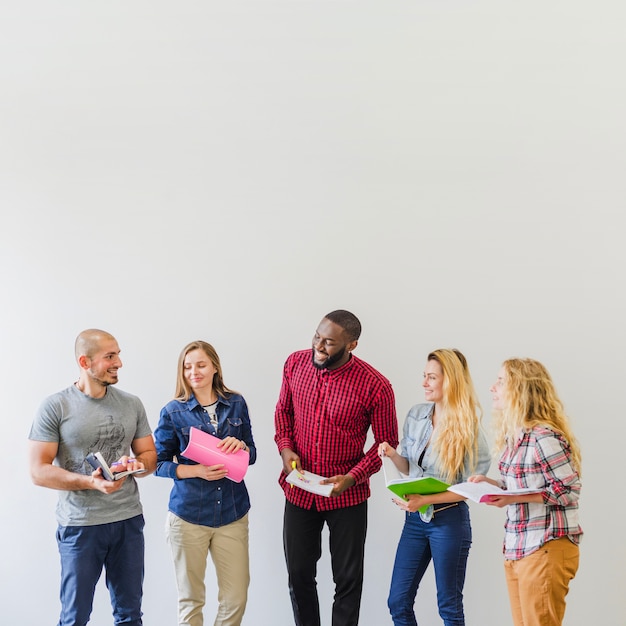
(44, 473)
(145, 452)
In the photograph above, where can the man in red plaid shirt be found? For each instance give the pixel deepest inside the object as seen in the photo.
(328, 401)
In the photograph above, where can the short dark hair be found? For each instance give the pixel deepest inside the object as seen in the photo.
(348, 321)
(88, 342)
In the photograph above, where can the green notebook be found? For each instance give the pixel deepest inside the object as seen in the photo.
(423, 486)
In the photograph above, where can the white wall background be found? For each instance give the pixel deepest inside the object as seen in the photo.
(450, 171)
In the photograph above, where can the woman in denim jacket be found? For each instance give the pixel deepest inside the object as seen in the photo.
(443, 439)
(207, 512)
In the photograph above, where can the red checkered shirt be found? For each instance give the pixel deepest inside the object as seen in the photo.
(324, 416)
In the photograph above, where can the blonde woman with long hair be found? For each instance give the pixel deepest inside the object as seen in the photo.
(542, 530)
(208, 514)
(442, 438)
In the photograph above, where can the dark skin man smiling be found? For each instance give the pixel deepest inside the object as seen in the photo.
(329, 401)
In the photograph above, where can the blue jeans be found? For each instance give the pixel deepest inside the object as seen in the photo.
(446, 539)
(85, 550)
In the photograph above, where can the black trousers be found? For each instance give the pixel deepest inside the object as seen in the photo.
(302, 541)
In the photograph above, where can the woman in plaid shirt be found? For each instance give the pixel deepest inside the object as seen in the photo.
(539, 451)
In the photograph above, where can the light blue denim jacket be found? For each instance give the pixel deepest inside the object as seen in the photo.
(416, 434)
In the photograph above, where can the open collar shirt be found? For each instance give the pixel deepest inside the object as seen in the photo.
(324, 416)
(416, 448)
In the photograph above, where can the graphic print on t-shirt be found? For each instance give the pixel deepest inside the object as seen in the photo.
(109, 440)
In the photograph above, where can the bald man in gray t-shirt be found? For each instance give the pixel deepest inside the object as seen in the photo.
(100, 521)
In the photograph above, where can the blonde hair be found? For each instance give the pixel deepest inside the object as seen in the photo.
(531, 400)
(456, 436)
(183, 390)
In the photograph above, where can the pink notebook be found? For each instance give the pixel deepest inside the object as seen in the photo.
(202, 448)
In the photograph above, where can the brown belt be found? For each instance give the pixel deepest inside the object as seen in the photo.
(443, 508)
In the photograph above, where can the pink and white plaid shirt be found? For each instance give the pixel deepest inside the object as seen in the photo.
(540, 460)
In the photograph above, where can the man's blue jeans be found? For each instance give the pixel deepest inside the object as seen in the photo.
(446, 539)
(85, 550)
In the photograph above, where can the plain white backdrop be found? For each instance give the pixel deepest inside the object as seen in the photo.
(450, 171)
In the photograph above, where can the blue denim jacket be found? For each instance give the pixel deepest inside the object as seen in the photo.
(417, 431)
(415, 446)
(206, 502)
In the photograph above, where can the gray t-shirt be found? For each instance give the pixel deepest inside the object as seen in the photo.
(80, 425)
